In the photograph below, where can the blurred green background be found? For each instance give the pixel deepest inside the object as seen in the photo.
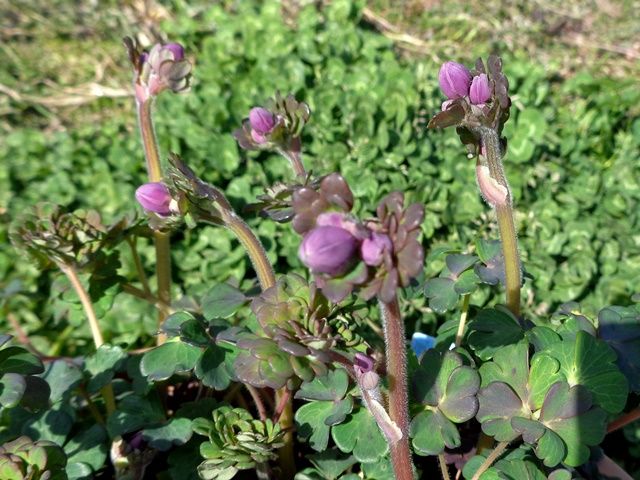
(368, 70)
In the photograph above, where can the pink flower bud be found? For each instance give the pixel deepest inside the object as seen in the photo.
(373, 248)
(363, 363)
(455, 80)
(154, 197)
(328, 249)
(480, 90)
(176, 49)
(261, 120)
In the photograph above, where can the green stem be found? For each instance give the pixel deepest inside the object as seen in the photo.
(254, 249)
(295, 159)
(506, 225)
(443, 467)
(98, 340)
(493, 456)
(162, 243)
(396, 356)
(142, 276)
(463, 319)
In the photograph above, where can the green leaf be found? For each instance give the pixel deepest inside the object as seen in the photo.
(88, 447)
(134, 413)
(310, 423)
(331, 386)
(19, 360)
(441, 294)
(491, 330)
(168, 359)
(443, 382)
(62, 377)
(222, 301)
(102, 366)
(12, 388)
(590, 362)
(79, 471)
(331, 463)
(215, 366)
(620, 328)
(431, 431)
(176, 431)
(361, 436)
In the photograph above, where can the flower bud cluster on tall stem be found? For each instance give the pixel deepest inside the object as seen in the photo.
(164, 67)
(478, 106)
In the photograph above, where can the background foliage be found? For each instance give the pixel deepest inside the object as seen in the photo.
(574, 138)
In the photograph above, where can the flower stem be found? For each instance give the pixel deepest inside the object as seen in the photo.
(504, 212)
(624, 420)
(443, 467)
(254, 249)
(396, 356)
(463, 319)
(493, 456)
(142, 276)
(295, 159)
(162, 243)
(98, 340)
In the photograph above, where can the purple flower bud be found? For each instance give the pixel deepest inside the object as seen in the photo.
(154, 197)
(373, 248)
(480, 90)
(329, 250)
(261, 120)
(363, 363)
(176, 49)
(454, 79)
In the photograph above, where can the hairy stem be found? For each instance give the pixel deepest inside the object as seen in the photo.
(493, 456)
(443, 467)
(162, 244)
(463, 319)
(396, 356)
(254, 248)
(504, 213)
(295, 159)
(98, 340)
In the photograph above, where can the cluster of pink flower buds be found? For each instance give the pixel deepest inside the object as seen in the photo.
(456, 82)
(337, 242)
(163, 68)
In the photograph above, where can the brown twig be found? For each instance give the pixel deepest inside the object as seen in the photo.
(624, 420)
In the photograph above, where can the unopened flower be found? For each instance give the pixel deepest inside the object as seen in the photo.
(154, 197)
(164, 67)
(480, 90)
(455, 80)
(374, 247)
(363, 363)
(262, 122)
(327, 249)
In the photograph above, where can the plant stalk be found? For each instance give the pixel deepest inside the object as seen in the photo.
(98, 340)
(506, 225)
(493, 456)
(142, 276)
(254, 249)
(162, 243)
(444, 469)
(396, 356)
(463, 319)
(295, 159)
(624, 420)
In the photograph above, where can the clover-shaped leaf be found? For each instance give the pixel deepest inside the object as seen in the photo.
(448, 389)
(490, 269)
(456, 279)
(168, 359)
(328, 407)
(585, 360)
(568, 412)
(620, 328)
(360, 436)
(102, 366)
(491, 330)
(222, 301)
